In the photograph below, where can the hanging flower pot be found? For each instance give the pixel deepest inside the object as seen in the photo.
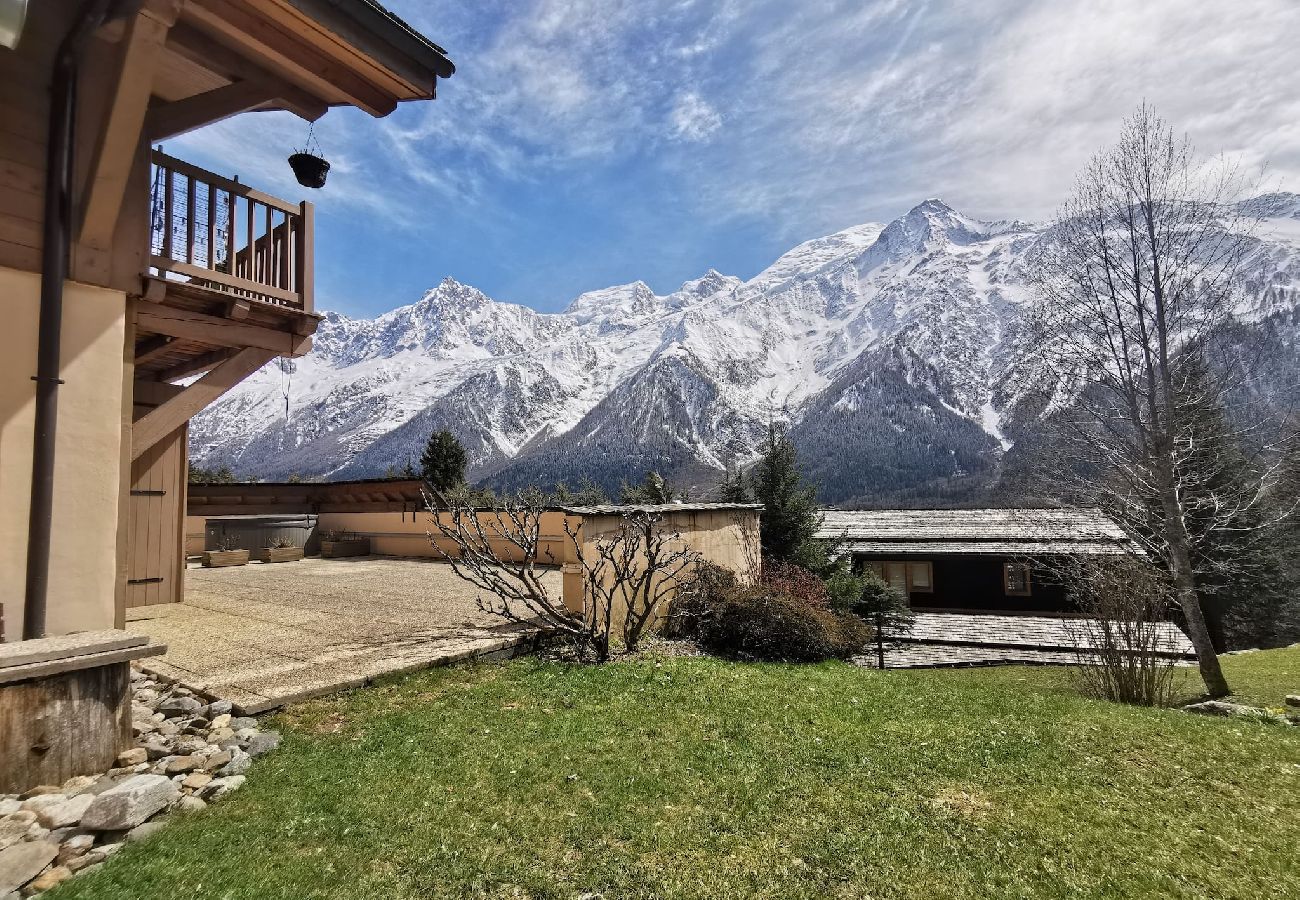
(309, 169)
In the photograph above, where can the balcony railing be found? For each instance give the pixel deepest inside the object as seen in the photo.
(216, 233)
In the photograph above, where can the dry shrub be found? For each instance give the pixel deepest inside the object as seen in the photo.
(1121, 644)
(761, 624)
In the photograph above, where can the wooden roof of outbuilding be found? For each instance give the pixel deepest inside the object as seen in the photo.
(976, 531)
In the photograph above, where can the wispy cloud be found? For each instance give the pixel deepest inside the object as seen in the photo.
(575, 129)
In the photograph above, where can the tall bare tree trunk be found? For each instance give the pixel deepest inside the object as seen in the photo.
(1180, 565)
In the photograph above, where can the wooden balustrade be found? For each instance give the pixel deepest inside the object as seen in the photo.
(220, 234)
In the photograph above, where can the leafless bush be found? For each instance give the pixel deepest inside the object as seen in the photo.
(628, 574)
(1122, 646)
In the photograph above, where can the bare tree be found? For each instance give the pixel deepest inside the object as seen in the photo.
(498, 550)
(1138, 276)
(629, 574)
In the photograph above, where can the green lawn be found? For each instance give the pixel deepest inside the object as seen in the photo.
(701, 778)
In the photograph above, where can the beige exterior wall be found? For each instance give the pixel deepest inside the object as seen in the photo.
(83, 563)
(406, 534)
(726, 538)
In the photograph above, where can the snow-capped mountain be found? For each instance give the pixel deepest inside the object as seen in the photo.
(886, 347)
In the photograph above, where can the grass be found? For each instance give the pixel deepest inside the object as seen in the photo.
(702, 778)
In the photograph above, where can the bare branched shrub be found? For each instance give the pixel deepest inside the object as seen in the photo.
(1122, 646)
(628, 574)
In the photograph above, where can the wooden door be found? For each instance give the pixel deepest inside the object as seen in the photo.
(156, 526)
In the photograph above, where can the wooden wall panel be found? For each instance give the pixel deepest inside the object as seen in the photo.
(156, 524)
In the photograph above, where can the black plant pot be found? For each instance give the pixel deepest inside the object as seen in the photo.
(310, 170)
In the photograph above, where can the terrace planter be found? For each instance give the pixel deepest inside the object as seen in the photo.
(279, 554)
(216, 559)
(349, 547)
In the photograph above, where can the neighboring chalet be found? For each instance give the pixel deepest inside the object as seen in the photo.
(125, 271)
(973, 559)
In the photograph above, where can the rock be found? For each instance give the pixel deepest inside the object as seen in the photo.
(220, 722)
(78, 783)
(1293, 699)
(22, 862)
(74, 846)
(42, 802)
(219, 787)
(169, 728)
(241, 722)
(220, 707)
(145, 695)
(39, 790)
(216, 760)
(1236, 710)
(69, 812)
(77, 863)
(263, 742)
(47, 880)
(13, 827)
(240, 763)
(196, 780)
(221, 736)
(191, 803)
(140, 832)
(179, 764)
(133, 757)
(180, 705)
(157, 749)
(128, 804)
(10, 805)
(190, 744)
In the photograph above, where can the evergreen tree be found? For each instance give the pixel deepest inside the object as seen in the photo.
(652, 490)
(886, 610)
(790, 516)
(442, 464)
(732, 488)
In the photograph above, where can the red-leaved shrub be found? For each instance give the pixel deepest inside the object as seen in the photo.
(795, 581)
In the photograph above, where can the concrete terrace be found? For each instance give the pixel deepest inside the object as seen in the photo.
(263, 635)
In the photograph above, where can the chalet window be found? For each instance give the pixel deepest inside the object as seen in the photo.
(1015, 580)
(908, 577)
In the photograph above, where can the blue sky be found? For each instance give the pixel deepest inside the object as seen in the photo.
(586, 143)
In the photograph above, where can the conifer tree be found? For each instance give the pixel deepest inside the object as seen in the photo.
(442, 464)
(790, 517)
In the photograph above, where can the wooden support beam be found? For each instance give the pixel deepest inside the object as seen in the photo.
(151, 348)
(119, 135)
(237, 24)
(193, 44)
(172, 414)
(194, 326)
(201, 363)
(180, 116)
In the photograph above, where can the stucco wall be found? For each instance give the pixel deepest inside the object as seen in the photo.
(88, 452)
(405, 534)
(725, 538)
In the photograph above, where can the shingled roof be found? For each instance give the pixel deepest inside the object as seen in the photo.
(1003, 532)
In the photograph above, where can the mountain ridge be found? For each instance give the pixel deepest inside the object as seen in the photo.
(886, 347)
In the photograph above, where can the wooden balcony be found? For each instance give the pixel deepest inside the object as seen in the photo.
(229, 268)
(222, 235)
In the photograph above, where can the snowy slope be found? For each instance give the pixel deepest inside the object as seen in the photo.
(887, 347)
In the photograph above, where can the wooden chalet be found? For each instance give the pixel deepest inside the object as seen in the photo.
(973, 560)
(126, 270)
